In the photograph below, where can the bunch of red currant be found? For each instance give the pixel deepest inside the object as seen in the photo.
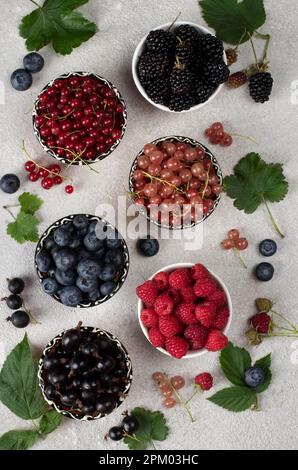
(234, 241)
(217, 135)
(168, 386)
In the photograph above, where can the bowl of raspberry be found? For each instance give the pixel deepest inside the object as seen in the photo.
(179, 67)
(185, 310)
(81, 261)
(79, 118)
(176, 182)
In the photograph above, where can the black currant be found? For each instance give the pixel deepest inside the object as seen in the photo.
(89, 348)
(58, 376)
(16, 285)
(19, 319)
(130, 424)
(80, 363)
(50, 392)
(105, 364)
(116, 433)
(103, 344)
(68, 397)
(76, 383)
(13, 301)
(120, 370)
(88, 396)
(71, 339)
(105, 403)
(50, 362)
(113, 388)
(88, 408)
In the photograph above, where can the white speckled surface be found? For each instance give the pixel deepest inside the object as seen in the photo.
(273, 125)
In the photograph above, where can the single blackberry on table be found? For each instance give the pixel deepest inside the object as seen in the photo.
(260, 86)
(181, 81)
(158, 90)
(152, 66)
(181, 102)
(211, 47)
(203, 91)
(187, 34)
(160, 41)
(215, 72)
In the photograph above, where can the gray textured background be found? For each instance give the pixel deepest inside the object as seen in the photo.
(273, 125)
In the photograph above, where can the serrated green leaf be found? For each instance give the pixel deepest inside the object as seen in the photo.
(30, 203)
(50, 421)
(135, 443)
(152, 426)
(234, 398)
(19, 389)
(56, 22)
(233, 20)
(18, 440)
(264, 363)
(159, 427)
(23, 228)
(234, 361)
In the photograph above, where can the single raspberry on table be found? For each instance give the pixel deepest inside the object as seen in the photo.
(199, 272)
(149, 317)
(175, 295)
(180, 278)
(177, 346)
(218, 297)
(186, 313)
(204, 381)
(169, 326)
(163, 304)
(221, 318)
(261, 322)
(205, 288)
(205, 313)
(162, 280)
(188, 294)
(147, 292)
(237, 79)
(216, 341)
(196, 335)
(156, 337)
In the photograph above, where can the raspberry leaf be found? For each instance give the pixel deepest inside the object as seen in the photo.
(56, 22)
(152, 426)
(23, 228)
(233, 20)
(49, 422)
(234, 361)
(264, 363)
(18, 440)
(30, 203)
(234, 398)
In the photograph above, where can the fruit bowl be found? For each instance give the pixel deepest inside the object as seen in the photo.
(168, 269)
(76, 132)
(109, 258)
(76, 411)
(141, 48)
(200, 213)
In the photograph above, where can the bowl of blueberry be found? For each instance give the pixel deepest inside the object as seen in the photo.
(81, 260)
(85, 373)
(179, 67)
(176, 182)
(79, 118)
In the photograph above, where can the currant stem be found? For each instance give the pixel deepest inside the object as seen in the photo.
(40, 167)
(197, 390)
(178, 396)
(205, 185)
(245, 137)
(274, 222)
(155, 178)
(286, 320)
(241, 259)
(32, 318)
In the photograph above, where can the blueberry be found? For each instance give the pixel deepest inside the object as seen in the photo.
(113, 239)
(9, 183)
(80, 221)
(21, 80)
(115, 257)
(71, 296)
(107, 288)
(50, 243)
(264, 272)
(86, 285)
(92, 226)
(84, 254)
(65, 278)
(62, 236)
(82, 231)
(268, 247)
(43, 261)
(50, 285)
(148, 246)
(99, 254)
(75, 242)
(108, 272)
(92, 243)
(88, 269)
(65, 259)
(94, 295)
(33, 62)
(254, 376)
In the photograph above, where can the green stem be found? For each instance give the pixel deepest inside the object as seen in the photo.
(9, 211)
(182, 403)
(197, 390)
(171, 26)
(274, 222)
(267, 38)
(286, 320)
(245, 137)
(32, 318)
(152, 443)
(241, 259)
(279, 334)
(35, 3)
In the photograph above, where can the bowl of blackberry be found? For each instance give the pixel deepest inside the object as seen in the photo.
(179, 67)
(85, 373)
(81, 261)
(79, 118)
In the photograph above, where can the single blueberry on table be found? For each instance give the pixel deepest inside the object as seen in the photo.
(86, 285)
(9, 183)
(62, 236)
(71, 296)
(264, 272)
(254, 376)
(50, 285)
(107, 288)
(66, 278)
(33, 62)
(21, 80)
(268, 247)
(88, 269)
(148, 246)
(43, 261)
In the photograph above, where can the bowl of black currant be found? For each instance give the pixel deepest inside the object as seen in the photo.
(81, 261)
(179, 67)
(85, 373)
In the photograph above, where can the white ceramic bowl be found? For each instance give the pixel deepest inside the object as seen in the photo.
(140, 48)
(170, 268)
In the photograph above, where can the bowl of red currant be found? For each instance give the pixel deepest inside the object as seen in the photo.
(85, 373)
(79, 118)
(176, 182)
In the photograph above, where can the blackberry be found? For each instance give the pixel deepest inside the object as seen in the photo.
(181, 81)
(211, 47)
(160, 41)
(215, 72)
(203, 91)
(152, 66)
(158, 90)
(187, 34)
(180, 103)
(185, 55)
(260, 86)
(232, 56)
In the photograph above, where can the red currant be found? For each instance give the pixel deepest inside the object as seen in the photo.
(34, 176)
(69, 189)
(47, 183)
(29, 166)
(226, 140)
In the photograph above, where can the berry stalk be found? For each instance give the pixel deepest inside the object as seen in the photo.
(179, 399)
(273, 220)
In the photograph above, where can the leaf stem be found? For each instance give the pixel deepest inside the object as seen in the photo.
(274, 222)
(35, 3)
(9, 211)
(254, 50)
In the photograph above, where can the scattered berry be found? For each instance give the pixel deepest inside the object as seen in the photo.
(33, 62)
(116, 433)
(264, 272)
(260, 86)
(216, 341)
(19, 319)
(21, 80)
(148, 246)
(69, 189)
(9, 183)
(234, 241)
(261, 322)
(204, 381)
(158, 377)
(268, 247)
(16, 285)
(237, 79)
(13, 301)
(170, 402)
(129, 424)
(232, 56)
(177, 382)
(254, 376)
(263, 304)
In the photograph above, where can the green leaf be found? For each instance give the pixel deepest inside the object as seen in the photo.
(234, 361)
(233, 19)
(264, 363)
(160, 430)
(30, 203)
(19, 389)
(255, 181)
(56, 22)
(23, 228)
(234, 398)
(18, 440)
(152, 426)
(50, 421)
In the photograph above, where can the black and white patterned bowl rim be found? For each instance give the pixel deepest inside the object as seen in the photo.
(63, 221)
(70, 414)
(100, 157)
(186, 140)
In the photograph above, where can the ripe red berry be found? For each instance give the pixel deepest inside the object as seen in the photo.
(34, 176)
(43, 173)
(57, 179)
(69, 189)
(204, 381)
(29, 166)
(47, 183)
(226, 141)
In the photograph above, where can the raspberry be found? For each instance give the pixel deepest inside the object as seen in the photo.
(216, 341)
(188, 295)
(199, 272)
(237, 79)
(205, 288)
(205, 313)
(180, 278)
(149, 317)
(186, 313)
(163, 305)
(147, 292)
(169, 326)
(221, 318)
(175, 295)
(204, 381)
(156, 337)
(261, 322)
(162, 280)
(218, 297)
(196, 335)
(260, 86)
(177, 346)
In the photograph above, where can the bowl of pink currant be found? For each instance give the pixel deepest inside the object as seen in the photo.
(79, 118)
(176, 182)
